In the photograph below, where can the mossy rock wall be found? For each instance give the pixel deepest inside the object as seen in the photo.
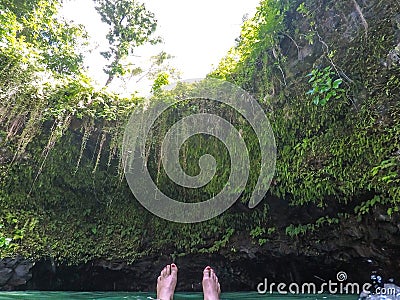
(335, 196)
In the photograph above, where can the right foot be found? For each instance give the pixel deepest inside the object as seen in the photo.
(166, 282)
(211, 287)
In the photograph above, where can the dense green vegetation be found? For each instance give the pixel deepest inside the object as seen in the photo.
(335, 116)
(337, 152)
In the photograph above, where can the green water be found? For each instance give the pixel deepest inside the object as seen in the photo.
(178, 296)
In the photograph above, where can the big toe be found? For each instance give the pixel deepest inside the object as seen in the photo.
(174, 269)
(207, 272)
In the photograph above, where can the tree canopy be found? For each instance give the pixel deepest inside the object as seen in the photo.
(130, 25)
(58, 43)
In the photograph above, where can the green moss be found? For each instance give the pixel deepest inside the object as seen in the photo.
(66, 192)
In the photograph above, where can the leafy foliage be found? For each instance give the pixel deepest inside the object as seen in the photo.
(61, 190)
(5, 242)
(58, 44)
(324, 87)
(258, 34)
(130, 25)
(161, 80)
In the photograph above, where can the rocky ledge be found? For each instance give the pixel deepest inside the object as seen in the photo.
(240, 275)
(14, 273)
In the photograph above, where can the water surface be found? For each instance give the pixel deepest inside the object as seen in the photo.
(178, 296)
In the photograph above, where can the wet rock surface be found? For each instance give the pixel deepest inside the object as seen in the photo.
(14, 273)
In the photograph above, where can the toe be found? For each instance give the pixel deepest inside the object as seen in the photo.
(168, 269)
(174, 269)
(212, 275)
(207, 272)
(164, 272)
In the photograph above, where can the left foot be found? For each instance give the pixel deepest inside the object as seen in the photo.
(166, 282)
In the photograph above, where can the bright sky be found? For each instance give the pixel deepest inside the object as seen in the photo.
(197, 33)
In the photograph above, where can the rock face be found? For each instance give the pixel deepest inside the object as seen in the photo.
(356, 249)
(14, 273)
(352, 246)
(235, 275)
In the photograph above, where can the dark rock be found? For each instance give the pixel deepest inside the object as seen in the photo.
(11, 262)
(5, 275)
(14, 272)
(23, 268)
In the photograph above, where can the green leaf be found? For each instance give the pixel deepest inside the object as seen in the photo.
(336, 83)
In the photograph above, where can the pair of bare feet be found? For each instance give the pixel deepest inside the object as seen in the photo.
(166, 283)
